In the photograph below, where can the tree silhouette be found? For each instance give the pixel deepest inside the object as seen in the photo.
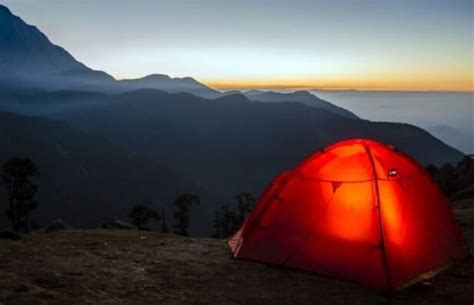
(245, 203)
(181, 215)
(141, 215)
(453, 179)
(17, 174)
(432, 170)
(228, 221)
(465, 172)
(448, 179)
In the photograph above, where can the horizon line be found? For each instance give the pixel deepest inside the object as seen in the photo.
(284, 87)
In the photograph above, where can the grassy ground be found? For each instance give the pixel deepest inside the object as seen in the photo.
(131, 267)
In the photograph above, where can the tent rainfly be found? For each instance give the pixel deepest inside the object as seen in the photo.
(357, 210)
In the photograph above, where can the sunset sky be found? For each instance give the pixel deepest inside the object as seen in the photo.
(377, 45)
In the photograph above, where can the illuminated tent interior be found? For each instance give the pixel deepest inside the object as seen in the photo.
(357, 210)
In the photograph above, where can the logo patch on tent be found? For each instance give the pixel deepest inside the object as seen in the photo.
(392, 172)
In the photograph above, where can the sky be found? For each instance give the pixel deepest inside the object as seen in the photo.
(418, 45)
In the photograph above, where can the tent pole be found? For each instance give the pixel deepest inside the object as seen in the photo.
(382, 238)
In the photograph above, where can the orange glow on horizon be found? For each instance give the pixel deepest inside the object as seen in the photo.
(371, 83)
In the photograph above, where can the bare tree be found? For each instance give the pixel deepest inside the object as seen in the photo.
(182, 204)
(245, 203)
(228, 221)
(141, 215)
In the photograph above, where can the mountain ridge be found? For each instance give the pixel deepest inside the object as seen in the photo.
(17, 39)
(61, 71)
(300, 96)
(29, 57)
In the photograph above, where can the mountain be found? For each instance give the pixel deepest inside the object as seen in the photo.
(171, 85)
(454, 137)
(231, 144)
(29, 59)
(27, 56)
(84, 178)
(44, 103)
(434, 111)
(304, 97)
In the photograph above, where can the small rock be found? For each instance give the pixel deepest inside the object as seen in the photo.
(57, 225)
(117, 225)
(9, 234)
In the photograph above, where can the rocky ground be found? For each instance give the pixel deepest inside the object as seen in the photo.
(132, 267)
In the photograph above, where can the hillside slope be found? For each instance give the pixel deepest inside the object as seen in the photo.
(84, 178)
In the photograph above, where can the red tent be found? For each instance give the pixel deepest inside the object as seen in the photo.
(358, 210)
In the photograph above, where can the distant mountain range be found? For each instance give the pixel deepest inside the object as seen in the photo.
(448, 116)
(168, 84)
(198, 136)
(298, 96)
(454, 137)
(126, 140)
